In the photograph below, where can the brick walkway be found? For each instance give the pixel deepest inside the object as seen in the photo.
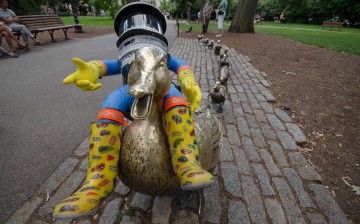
(262, 177)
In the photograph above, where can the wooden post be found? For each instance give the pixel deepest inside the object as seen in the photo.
(178, 26)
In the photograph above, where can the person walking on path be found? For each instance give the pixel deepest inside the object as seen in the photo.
(207, 10)
(11, 20)
(222, 12)
(9, 36)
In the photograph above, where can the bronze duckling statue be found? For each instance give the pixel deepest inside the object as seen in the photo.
(224, 73)
(224, 68)
(217, 48)
(211, 44)
(205, 41)
(218, 95)
(224, 56)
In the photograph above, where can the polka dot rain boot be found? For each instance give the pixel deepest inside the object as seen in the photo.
(184, 149)
(101, 173)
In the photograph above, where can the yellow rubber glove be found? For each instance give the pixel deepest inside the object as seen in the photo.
(190, 88)
(86, 75)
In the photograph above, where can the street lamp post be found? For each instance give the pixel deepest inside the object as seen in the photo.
(78, 26)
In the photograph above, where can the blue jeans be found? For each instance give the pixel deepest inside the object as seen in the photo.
(25, 32)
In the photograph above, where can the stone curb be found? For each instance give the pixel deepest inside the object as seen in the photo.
(262, 176)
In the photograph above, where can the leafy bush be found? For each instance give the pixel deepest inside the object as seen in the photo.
(63, 13)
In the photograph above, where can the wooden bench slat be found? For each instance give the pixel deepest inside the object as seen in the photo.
(49, 28)
(55, 28)
(37, 20)
(41, 23)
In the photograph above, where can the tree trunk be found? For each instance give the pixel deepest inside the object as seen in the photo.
(244, 17)
(201, 9)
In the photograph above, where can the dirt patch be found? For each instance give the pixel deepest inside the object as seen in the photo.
(319, 88)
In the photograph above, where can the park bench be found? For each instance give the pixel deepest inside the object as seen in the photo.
(40, 23)
(332, 24)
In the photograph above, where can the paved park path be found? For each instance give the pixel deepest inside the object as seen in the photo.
(262, 176)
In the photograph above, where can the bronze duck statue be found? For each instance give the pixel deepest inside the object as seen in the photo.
(205, 41)
(224, 68)
(145, 162)
(225, 56)
(218, 95)
(224, 73)
(217, 48)
(211, 44)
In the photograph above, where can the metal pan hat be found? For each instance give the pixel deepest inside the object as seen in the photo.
(139, 18)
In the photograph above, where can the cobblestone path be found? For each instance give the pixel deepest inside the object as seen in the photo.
(262, 176)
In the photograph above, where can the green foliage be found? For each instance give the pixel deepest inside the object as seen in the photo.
(112, 6)
(311, 11)
(57, 5)
(346, 40)
(62, 13)
(90, 20)
(180, 7)
(197, 27)
(166, 5)
(232, 4)
(82, 8)
(23, 7)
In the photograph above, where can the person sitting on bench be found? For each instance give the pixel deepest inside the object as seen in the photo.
(5, 32)
(5, 53)
(11, 20)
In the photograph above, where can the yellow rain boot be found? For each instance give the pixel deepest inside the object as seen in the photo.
(184, 151)
(101, 173)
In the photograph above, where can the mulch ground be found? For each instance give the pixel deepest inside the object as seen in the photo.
(319, 88)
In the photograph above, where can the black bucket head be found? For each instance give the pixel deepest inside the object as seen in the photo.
(139, 18)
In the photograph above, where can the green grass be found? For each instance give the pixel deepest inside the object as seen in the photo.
(197, 27)
(337, 41)
(346, 40)
(90, 20)
(307, 26)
